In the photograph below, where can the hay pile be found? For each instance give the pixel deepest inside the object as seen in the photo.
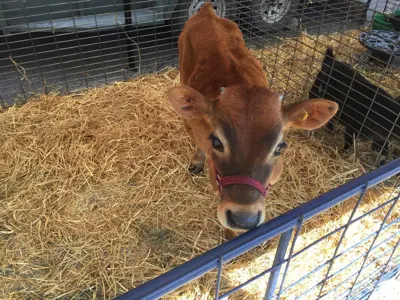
(95, 197)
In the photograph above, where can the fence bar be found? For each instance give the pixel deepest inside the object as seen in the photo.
(2, 105)
(362, 255)
(352, 222)
(196, 267)
(305, 276)
(343, 282)
(299, 227)
(341, 239)
(218, 284)
(309, 290)
(279, 257)
(385, 267)
(355, 273)
(343, 268)
(127, 30)
(373, 242)
(258, 276)
(363, 288)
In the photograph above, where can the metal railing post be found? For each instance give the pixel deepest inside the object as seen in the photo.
(279, 258)
(128, 30)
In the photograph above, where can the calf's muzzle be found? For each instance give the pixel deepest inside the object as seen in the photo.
(241, 216)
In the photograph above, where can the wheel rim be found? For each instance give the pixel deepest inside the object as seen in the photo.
(218, 6)
(273, 11)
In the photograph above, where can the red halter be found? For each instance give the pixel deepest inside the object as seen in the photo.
(229, 180)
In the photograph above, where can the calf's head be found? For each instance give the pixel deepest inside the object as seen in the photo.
(244, 141)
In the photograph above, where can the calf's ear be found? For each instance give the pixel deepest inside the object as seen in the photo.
(188, 102)
(309, 114)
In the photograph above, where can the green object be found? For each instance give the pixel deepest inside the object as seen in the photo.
(381, 23)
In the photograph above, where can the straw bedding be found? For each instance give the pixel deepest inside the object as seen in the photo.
(95, 196)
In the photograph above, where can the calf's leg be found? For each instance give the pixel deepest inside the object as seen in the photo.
(197, 163)
(199, 157)
(229, 234)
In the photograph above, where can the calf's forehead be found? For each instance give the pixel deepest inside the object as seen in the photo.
(253, 118)
(249, 108)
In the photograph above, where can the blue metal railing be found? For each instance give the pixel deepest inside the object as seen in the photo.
(286, 225)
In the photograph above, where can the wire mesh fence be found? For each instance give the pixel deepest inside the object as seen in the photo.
(66, 46)
(352, 271)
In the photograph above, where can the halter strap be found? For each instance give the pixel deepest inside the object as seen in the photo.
(244, 180)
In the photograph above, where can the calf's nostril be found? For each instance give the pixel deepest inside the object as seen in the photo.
(243, 220)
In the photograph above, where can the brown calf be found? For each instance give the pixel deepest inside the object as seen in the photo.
(236, 122)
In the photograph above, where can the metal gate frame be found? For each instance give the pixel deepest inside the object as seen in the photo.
(284, 226)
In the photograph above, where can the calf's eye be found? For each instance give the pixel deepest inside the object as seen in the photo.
(216, 143)
(280, 148)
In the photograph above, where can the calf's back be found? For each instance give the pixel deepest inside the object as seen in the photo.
(213, 54)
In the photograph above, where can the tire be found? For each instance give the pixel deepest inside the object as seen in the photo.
(186, 8)
(270, 15)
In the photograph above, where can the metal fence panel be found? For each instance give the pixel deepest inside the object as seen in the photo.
(284, 226)
(66, 46)
(70, 45)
